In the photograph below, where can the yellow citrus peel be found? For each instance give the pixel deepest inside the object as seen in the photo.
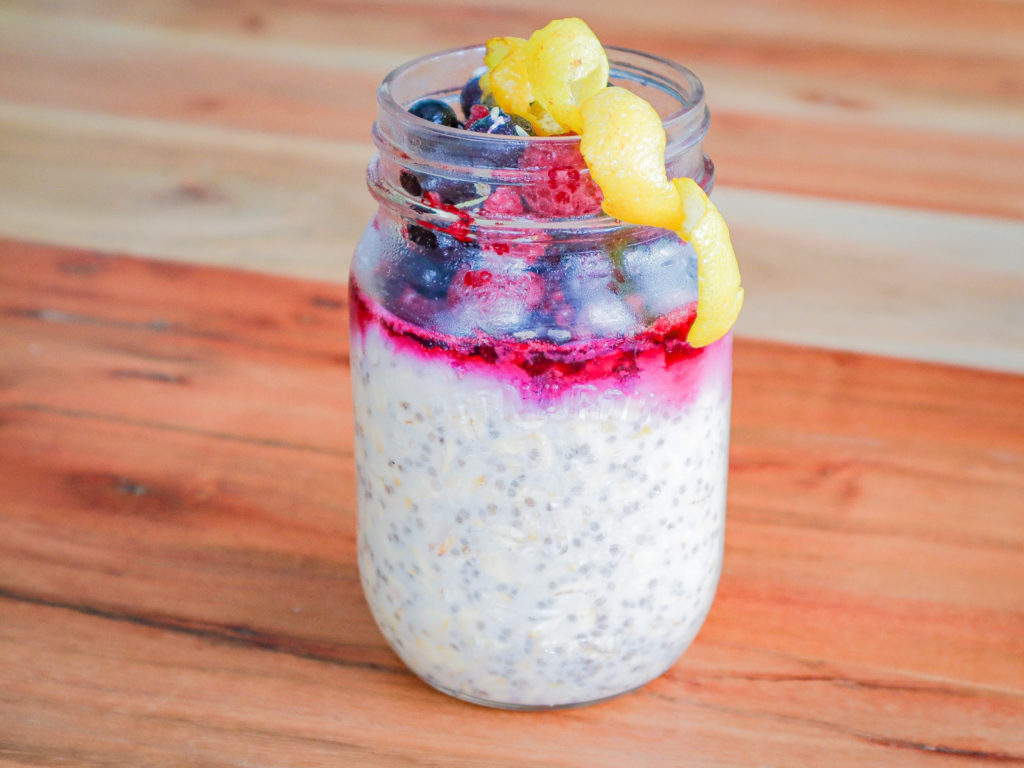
(498, 48)
(719, 293)
(509, 82)
(558, 77)
(624, 145)
(567, 65)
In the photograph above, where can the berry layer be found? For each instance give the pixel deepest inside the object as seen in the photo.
(656, 362)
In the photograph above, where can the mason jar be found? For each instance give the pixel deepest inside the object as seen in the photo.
(541, 456)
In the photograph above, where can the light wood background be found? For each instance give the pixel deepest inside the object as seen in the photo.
(870, 158)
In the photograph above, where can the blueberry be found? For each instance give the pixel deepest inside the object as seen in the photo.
(410, 183)
(566, 251)
(423, 237)
(588, 275)
(450, 191)
(417, 271)
(497, 122)
(429, 266)
(430, 259)
(605, 314)
(471, 94)
(500, 123)
(435, 111)
(663, 273)
(413, 306)
(430, 277)
(440, 244)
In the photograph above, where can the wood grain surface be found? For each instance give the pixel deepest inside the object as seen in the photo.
(869, 160)
(181, 190)
(178, 582)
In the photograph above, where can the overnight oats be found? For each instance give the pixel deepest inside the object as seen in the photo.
(541, 389)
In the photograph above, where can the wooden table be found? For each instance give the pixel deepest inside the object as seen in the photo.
(180, 190)
(178, 581)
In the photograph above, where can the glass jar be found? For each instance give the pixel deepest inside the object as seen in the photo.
(541, 456)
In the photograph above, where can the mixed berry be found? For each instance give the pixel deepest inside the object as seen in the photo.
(496, 121)
(469, 262)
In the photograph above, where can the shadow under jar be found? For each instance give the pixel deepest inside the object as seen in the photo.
(541, 456)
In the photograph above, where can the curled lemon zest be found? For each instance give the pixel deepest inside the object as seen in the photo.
(623, 144)
(567, 65)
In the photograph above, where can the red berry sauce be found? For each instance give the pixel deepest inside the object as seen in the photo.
(657, 360)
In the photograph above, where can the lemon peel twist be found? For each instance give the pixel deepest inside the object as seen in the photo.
(719, 292)
(623, 143)
(509, 82)
(567, 65)
(558, 77)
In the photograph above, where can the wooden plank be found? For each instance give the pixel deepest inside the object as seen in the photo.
(917, 284)
(899, 167)
(299, 64)
(177, 566)
(958, 27)
(130, 350)
(198, 193)
(197, 77)
(127, 692)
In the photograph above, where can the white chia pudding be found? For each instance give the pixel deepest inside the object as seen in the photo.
(529, 547)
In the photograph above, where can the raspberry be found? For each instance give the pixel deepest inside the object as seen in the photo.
(485, 288)
(476, 278)
(517, 244)
(477, 112)
(558, 308)
(563, 192)
(503, 202)
(542, 155)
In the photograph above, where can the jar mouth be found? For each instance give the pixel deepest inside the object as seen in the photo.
(674, 91)
(474, 164)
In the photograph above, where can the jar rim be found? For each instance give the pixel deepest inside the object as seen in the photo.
(684, 126)
(410, 143)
